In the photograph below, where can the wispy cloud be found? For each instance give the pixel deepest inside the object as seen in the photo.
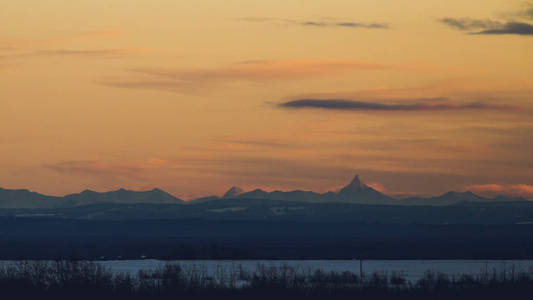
(32, 43)
(95, 53)
(7, 66)
(253, 142)
(511, 28)
(317, 23)
(491, 190)
(493, 27)
(461, 88)
(416, 105)
(347, 24)
(62, 46)
(259, 70)
(267, 70)
(471, 24)
(100, 168)
(88, 53)
(528, 12)
(113, 170)
(166, 85)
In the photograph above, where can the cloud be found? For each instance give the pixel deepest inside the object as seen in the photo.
(181, 80)
(348, 24)
(104, 32)
(460, 89)
(83, 35)
(130, 170)
(254, 143)
(493, 27)
(17, 49)
(491, 190)
(166, 85)
(7, 66)
(376, 185)
(267, 70)
(98, 168)
(470, 24)
(314, 23)
(94, 53)
(528, 13)
(510, 28)
(371, 25)
(435, 104)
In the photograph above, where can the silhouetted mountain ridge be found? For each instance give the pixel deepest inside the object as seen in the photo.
(24, 199)
(356, 192)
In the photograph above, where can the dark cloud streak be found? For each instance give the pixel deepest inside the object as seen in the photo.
(320, 23)
(510, 28)
(371, 25)
(353, 105)
(494, 27)
(471, 24)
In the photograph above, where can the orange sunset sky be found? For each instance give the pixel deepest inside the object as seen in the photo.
(416, 96)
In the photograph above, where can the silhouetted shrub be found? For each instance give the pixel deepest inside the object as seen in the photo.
(87, 280)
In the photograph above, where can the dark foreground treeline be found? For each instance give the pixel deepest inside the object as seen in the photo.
(86, 280)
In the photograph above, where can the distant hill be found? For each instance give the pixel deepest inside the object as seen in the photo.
(16, 199)
(455, 197)
(155, 196)
(24, 199)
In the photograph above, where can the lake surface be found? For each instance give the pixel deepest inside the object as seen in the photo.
(411, 269)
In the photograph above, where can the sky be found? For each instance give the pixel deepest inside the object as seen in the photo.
(418, 97)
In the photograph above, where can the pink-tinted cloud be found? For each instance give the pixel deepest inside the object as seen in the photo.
(516, 190)
(110, 169)
(29, 43)
(7, 66)
(253, 71)
(267, 70)
(376, 185)
(87, 52)
(326, 22)
(60, 46)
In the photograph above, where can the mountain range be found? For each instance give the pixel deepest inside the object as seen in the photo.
(356, 192)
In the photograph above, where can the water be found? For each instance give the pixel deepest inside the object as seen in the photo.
(411, 269)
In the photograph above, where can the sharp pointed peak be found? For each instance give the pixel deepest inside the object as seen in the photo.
(356, 180)
(355, 186)
(233, 191)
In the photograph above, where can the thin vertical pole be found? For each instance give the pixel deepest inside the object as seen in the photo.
(361, 268)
